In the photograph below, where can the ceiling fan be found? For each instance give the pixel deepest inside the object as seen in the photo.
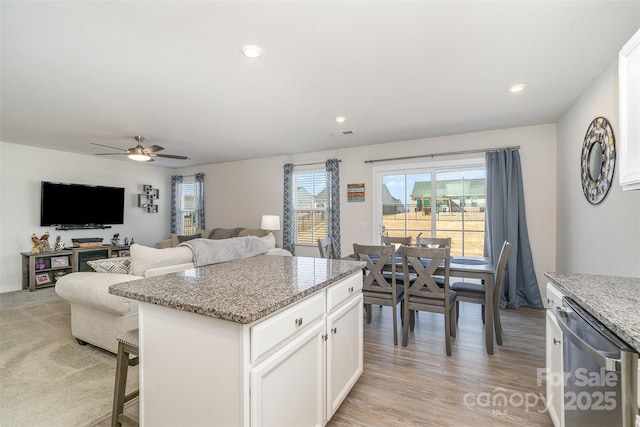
(140, 153)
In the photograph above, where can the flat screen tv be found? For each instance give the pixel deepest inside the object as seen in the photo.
(78, 205)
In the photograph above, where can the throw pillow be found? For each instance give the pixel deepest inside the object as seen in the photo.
(144, 258)
(225, 233)
(270, 240)
(186, 238)
(111, 265)
(258, 232)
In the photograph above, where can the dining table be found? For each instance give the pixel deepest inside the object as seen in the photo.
(467, 267)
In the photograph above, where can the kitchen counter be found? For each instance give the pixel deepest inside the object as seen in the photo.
(242, 291)
(614, 301)
(268, 340)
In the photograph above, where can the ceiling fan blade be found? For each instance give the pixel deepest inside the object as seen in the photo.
(153, 148)
(108, 146)
(111, 154)
(171, 156)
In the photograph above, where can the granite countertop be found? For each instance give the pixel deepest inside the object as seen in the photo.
(614, 301)
(241, 291)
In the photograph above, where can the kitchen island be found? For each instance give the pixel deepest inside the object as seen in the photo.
(269, 340)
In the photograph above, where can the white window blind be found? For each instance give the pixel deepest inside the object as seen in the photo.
(310, 195)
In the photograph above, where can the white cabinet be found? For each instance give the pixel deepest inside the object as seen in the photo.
(293, 368)
(629, 98)
(554, 370)
(287, 388)
(344, 352)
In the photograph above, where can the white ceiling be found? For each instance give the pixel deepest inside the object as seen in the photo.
(76, 72)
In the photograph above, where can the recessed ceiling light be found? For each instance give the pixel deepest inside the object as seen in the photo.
(251, 51)
(340, 119)
(517, 88)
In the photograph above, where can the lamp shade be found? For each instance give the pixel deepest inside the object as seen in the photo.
(270, 222)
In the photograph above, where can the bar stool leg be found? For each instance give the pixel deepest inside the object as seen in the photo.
(122, 365)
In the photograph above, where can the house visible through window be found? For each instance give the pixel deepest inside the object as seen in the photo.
(310, 206)
(434, 202)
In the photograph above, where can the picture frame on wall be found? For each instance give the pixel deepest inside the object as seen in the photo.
(59, 261)
(43, 278)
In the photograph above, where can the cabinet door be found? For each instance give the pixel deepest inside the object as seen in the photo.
(287, 389)
(344, 352)
(555, 375)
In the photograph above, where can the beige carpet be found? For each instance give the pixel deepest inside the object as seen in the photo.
(46, 377)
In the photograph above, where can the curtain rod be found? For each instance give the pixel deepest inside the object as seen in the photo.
(450, 153)
(310, 164)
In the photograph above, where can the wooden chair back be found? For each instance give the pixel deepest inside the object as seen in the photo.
(424, 285)
(325, 246)
(434, 242)
(376, 258)
(501, 270)
(392, 241)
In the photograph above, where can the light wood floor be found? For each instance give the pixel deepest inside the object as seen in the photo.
(419, 385)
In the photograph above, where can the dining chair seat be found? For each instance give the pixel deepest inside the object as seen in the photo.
(470, 289)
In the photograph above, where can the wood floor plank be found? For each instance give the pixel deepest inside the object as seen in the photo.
(419, 385)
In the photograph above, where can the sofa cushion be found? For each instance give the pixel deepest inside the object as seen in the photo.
(111, 265)
(225, 233)
(258, 232)
(92, 289)
(187, 238)
(144, 258)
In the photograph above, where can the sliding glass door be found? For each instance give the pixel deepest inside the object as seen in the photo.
(431, 201)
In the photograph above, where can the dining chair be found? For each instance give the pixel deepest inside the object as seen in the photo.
(424, 294)
(475, 292)
(325, 246)
(392, 241)
(435, 242)
(376, 288)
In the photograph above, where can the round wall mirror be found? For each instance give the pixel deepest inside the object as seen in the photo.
(598, 160)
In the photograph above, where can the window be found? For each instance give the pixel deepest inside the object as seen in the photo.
(310, 206)
(434, 201)
(187, 204)
(187, 208)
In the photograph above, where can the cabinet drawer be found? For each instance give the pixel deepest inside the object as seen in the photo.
(554, 297)
(273, 331)
(339, 293)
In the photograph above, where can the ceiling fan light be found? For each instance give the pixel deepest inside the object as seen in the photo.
(140, 157)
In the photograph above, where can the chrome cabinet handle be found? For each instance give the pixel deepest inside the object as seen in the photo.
(299, 321)
(555, 341)
(334, 330)
(550, 302)
(351, 290)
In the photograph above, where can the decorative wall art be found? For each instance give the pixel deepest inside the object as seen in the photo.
(597, 160)
(355, 192)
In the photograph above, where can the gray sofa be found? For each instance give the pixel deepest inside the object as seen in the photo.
(97, 317)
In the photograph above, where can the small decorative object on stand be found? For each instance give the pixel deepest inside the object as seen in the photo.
(126, 241)
(59, 245)
(115, 241)
(131, 242)
(36, 244)
(44, 241)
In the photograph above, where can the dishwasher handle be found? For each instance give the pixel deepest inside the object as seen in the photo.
(608, 363)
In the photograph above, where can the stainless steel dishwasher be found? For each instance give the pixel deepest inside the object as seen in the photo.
(600, 371)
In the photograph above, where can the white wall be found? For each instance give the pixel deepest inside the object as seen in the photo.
(594, 239)
(21, 170)
(238, 193)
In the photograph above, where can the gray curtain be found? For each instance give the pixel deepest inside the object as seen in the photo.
(333, 210)
(288, 220)
(199, 208)
(176, 191)
(505, 220)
